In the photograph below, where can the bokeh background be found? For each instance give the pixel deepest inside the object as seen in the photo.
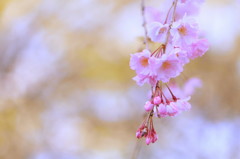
(66, 90)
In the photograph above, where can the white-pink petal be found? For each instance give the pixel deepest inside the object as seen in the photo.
(157, 32)
(162, 110)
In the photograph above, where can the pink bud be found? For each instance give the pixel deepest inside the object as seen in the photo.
(157, 100)
(155, 137)
(138, 134)
(148, 140)
(148, 106)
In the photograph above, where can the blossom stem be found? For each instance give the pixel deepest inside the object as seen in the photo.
(149, 116)
(173, 96)
(152, 91)
(157, 50)
(156, 89)
(165, 98)
(161, 93)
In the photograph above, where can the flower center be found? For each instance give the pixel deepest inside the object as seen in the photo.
(166, 65)
(182, 30)
(144, 62)
(162, 30)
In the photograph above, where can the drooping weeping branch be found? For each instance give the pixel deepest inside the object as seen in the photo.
(144, 23)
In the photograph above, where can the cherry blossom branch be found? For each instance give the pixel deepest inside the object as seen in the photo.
(144, 23)
(179, 40)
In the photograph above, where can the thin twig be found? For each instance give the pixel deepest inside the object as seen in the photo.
(169, 12)
(137, 149)
(173, 96)
(144, 24)
(173, 19)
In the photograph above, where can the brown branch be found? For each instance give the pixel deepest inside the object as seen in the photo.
(144, 24)
(169, 28)
(137, 149)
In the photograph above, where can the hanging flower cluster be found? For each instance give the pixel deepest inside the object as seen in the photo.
(179, 41)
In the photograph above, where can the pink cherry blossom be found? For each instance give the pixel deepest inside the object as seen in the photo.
(157, 32)
(184, 31)
(198, 48)
(139, 62)
(172, 109)
(188, 7)
(144, 65)
(183, 104)
(148, 106)
(182, 55)
(142, 79)
(162, 110)
(168, 67)
(177, 32)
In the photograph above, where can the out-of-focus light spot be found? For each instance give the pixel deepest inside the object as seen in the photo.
(221, 26)
(61, 129)
(127, 24)
(109, 106)
(35, 65)
(204, 138)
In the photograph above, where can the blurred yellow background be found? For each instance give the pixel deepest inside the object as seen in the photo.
(66, 89)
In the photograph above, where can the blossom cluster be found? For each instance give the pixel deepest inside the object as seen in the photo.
(178, 37)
